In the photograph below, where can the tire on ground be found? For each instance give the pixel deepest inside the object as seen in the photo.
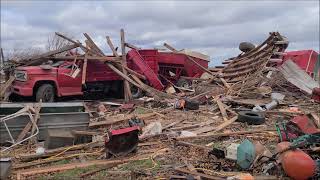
(246, 46)
(250, 117)
(45, 92)
(191, 105)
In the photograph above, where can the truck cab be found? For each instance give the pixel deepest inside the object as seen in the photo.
(48, 81)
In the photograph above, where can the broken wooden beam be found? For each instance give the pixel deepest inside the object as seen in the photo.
(127, 89)
(131, 46)
(64, 167)
(50, 53)
(119, 119)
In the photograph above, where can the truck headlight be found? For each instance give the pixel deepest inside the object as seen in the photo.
(21, 75)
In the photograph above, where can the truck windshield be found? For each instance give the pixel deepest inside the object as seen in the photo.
(58, 63)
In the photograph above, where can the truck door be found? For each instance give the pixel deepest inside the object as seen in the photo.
(69, 78)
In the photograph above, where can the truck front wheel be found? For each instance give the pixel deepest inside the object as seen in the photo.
(46, 93)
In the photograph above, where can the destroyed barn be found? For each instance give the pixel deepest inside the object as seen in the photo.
(160, 114)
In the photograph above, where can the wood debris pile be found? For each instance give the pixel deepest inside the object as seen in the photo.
(193, 140)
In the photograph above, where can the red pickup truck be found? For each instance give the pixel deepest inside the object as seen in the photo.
(64, 78)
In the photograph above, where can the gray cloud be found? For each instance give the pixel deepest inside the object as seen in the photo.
(212, 27)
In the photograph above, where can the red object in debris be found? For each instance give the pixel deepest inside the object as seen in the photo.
(146, 70)
(125, 130)
(126, 106)
(100, 79)
(316, 94)
(305, 59)
(304, 124)
(122, 141)
(296, 163)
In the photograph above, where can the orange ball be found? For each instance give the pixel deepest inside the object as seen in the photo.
(298, 165)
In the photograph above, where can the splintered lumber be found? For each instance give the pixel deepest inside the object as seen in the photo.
(117, 120)
(182, 143)
(173, 124)
(131, 46)
(51, 53)
(6, 86)
(225, 124)
(222, 110)
(316, 119)
(170, 47)
(104, 58)
(36, 118)
(85, 49)
(56, 168)
(197, 174)
(151, 90)
(225, 83)
(125, 77)
(84, 70)
(140, 76)
(1, 58)
(127, 90)
(217, 135)
(51, 152)
(111, 46)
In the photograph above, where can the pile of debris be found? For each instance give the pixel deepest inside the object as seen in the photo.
(249, 120)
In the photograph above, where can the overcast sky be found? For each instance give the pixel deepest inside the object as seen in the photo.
(214, 28)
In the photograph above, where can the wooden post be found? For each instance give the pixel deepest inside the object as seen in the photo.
(127, 90)
(84, 69)
(1, 59)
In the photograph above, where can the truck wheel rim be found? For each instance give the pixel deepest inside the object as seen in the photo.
(48, 95)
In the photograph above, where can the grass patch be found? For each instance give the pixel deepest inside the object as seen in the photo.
(69, 174)
(140, 164)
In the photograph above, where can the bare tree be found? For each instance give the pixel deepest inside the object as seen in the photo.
(55, 42)
(20, 54)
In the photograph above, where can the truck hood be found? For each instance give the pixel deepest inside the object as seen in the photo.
(36, 70)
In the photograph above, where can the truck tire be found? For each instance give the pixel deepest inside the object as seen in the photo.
(46, 93)
(246, 46)
(251, 117)
(184, 83)
(191, 105)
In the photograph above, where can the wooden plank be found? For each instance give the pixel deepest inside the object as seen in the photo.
(36, 119)
(6, 85)
(84, 70)
(112, 47)
(117, 120)
(198, 174)
(64, 167)
(131, 46)
(222, 110)
(51, 53)
(127, 90)
(225, 124)
(316, 119)
(170, 47)
(104, 58)
(225, 83)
